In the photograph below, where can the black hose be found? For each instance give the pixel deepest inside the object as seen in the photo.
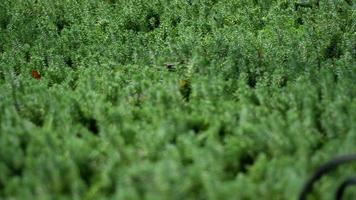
(344, 185)
(324, 169)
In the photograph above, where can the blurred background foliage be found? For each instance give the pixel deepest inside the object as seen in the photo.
(158, 99)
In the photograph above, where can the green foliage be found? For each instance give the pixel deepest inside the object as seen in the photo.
(255, 96)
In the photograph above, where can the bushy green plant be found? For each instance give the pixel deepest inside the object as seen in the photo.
(174, 99)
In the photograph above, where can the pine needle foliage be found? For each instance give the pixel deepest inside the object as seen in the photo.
(259, 95)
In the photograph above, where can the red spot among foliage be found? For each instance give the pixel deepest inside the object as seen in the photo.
(36, 74)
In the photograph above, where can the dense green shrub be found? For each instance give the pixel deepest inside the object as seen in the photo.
(174, 99)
